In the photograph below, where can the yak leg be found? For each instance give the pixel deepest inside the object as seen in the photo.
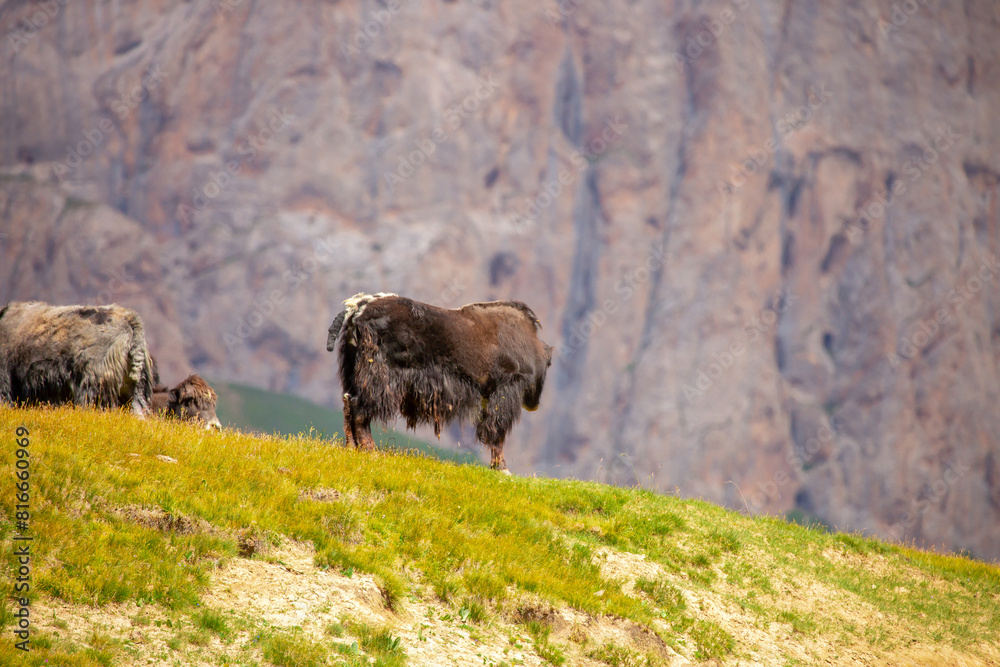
(349, 440)
(357, 429)
(363, 434)
(497, 461)
(494, 424)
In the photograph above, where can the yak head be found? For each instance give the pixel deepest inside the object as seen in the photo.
(193, 400)
(533, 391)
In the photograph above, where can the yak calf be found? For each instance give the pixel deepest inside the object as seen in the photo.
(481, 363)
(192, 400)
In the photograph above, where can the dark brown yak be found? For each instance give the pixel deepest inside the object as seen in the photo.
(86, 355)
(480, 363)
(192, 400)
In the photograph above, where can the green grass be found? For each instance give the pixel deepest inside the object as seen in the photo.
(621, 656)
(664, 595)
(803, 623)
(292, 649)
(491, 546)
(546, 650)
(379, 643)
(212, 621)
(374, 647)
(711, 640)
(473, 610)
(252, 409)
(46, 651)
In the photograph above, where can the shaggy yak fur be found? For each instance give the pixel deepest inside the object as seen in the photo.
(86, 355)
(480, 363)
(192, 400)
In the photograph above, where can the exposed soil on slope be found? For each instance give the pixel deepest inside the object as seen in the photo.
(285, 590)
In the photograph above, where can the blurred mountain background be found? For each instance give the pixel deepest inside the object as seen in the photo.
(762, 235)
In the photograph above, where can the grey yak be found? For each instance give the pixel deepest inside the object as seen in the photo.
(84, 355)
(482, 363)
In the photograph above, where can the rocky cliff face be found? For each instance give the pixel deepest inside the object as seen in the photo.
(763, 235)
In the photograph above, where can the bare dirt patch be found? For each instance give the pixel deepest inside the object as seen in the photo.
(147, 635)
(321, 494)
(626, 568)
(158, 519)
(286, 591)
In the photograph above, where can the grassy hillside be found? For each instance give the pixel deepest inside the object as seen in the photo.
(252, 409)
(158, 539)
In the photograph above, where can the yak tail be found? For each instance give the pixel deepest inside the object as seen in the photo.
(338, 323)
(140, 367)
(156, 371)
